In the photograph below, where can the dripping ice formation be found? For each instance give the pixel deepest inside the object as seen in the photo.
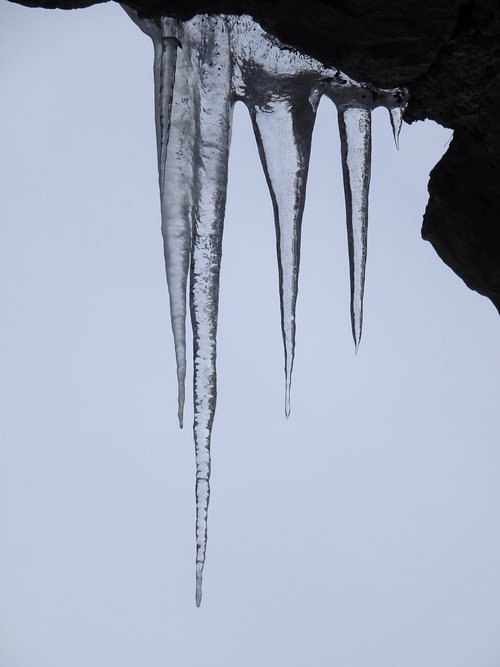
(201, 68)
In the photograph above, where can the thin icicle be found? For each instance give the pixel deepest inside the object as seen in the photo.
(396, 116)
(213, 131)
(283, 128)
(175, 132)
(395, 101)
(177, 167)
(174, 116)
(355, 140)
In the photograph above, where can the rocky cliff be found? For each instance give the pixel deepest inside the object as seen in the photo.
(448, 53)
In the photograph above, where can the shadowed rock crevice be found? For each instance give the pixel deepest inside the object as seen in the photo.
(448, 53)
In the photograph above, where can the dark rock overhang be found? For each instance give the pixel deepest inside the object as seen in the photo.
(448, 53)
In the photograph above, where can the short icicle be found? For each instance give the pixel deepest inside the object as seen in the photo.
(395, 101)
(396, 116)
(213, 131)
(355, 140)
(283, 128)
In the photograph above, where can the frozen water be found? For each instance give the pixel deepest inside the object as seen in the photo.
(355, 142)
(201, 68)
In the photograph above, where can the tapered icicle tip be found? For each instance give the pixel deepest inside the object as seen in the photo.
(396, 115)
(289, 358)
(357, 317)
(357, 330)
(288, 391)
(181, 394)
(199, 583)
(181, 397)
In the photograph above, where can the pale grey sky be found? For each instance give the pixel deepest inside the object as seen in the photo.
(362, 532)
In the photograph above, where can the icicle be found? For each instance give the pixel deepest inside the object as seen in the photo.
(395, 101)
(213, 131)
(396, 116)
(354, 102)
(283, 117)
(355, 139)
(174, 129)
(177, 191)
(283, 128)
(174, 122)
(221, 59)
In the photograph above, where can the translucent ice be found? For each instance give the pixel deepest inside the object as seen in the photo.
(201, 68)
(355, 142)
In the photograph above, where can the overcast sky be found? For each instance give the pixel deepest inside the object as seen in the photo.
(361, 532)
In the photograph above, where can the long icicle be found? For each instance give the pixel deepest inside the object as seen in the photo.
(176, 168)
(174, 138)
(355, 140)
(213, 130)
(283, 129)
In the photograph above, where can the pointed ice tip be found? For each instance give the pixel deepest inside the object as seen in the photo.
(199, 593)
(396, 115)
(288, 391)
(356, 334)
(181, 398)
(180, 411)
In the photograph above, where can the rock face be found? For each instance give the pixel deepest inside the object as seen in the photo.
(448, 53)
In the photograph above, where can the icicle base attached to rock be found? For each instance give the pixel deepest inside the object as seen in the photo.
(201, 68)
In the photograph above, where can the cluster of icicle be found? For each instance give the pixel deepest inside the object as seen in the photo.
(201, 68)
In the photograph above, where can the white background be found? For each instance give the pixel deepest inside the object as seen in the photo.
(362, 532)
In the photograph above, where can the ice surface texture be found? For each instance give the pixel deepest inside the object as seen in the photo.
(201, 68)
